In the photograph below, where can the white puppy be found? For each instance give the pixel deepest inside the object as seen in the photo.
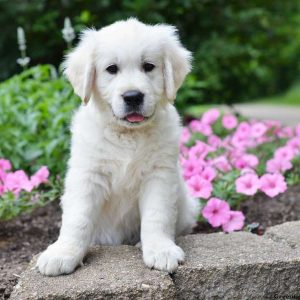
(124, 183)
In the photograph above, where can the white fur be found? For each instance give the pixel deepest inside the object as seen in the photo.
(124, 183)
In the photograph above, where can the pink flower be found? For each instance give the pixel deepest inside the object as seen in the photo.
(243, 129)
(278, 165)
(229, 121)
(246, 161)
(273, 184)
(214, 141)
(185, 135)
(209, 173)
(294, 143)
(41, 176)
(239, 141)
(235, 222)
(285, 132)
(216, 212)
(198, 126)
(247, 184)
(222, 164)
(192, 166)
(286, 153)
(258, 129)
(17, 181)
(199, 187)
(210, 116)
(200, 150)
(5, 165)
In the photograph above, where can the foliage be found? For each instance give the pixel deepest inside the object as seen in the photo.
(226, 160)
(35, 112)
(242, 49)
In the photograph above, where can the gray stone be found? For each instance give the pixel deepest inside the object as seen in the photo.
(108, 273)
(236, 266)
(288, 232)
(218, 266)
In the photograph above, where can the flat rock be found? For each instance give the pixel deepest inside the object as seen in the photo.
(288, 232)
(236, 266)
(218, 266)
(108, 273)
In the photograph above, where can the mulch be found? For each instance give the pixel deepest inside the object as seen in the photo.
(29, 234)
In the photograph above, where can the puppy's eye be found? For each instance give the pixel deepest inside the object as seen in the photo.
(112, 69)
(148, 67)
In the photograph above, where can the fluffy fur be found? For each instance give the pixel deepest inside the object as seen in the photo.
(124, 183)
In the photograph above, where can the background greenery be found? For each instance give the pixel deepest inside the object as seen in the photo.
(242, 49)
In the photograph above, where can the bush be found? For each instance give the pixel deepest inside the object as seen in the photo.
(35, 112)
(242, 49)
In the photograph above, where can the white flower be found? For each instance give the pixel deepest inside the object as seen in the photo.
(21, 39)
(23, 61)
(68, 31)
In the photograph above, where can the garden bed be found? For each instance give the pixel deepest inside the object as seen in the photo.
(29, 234)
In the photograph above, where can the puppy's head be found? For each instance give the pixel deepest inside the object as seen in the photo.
(130, 68)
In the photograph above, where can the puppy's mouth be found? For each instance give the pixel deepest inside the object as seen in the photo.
(135, 118)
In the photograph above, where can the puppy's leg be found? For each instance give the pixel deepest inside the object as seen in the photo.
(158, 209)
(81, 205)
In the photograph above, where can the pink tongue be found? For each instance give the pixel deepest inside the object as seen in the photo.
(135, 118)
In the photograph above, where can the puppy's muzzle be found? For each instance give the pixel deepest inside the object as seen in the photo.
(133, 100)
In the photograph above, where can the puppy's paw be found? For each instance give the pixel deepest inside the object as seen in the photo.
(163, 255)
(59, 259)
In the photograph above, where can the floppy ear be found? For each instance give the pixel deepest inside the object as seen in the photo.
(80, 66)
(176, 64)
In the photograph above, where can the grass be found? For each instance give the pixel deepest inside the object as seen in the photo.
(290, 97)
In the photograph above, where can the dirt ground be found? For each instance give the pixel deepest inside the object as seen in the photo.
(29, 234)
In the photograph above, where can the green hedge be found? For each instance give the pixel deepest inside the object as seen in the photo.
(35, 112)
(242, 49)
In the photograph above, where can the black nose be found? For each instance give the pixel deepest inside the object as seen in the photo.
(133, 98)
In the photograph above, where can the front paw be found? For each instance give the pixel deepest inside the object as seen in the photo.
(59, 259)
(163, 255)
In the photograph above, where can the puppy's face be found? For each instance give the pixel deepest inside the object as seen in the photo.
(133, 69)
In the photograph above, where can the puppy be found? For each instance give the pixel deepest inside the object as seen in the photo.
(123, 183)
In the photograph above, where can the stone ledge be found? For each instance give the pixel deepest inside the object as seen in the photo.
(218, 266)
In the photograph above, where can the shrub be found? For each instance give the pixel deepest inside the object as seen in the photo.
(225, 161)
(35, 111)
(242, 49)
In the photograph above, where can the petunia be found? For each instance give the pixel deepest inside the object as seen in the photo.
(198, 126)
(235, 222)
(247, 184)
(246, 161)
(200, 150)
(208, 173)
(229, 121)
(278, 165)
(216, 212)
(192, 166)
(199, 187)
(286, 153)
(17, 181)
(273, 184)
(5, 165)
(185, 135)
(210, 116)
(41, 176)
(258, 129)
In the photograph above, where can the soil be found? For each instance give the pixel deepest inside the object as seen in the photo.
(23, 237)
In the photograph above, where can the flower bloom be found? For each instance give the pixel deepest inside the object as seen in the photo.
(185, 135)
(210, 116)
(272, 184)
(208, 173)
(286, 153)
(198, 126)
(278, 165)
(258, 129)
(235, 222)
(246, 161)
(216, 212)
(192, 166)
(199, 187)
(200, 150)
(17, 181)
(229, 121)
(247, 184)
(41, 176)
(5, 165)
